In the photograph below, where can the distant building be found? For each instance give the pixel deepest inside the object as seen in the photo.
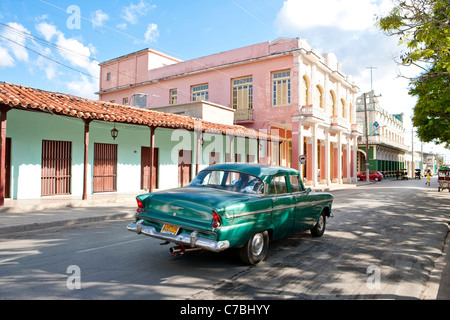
(282, 87)
(386, 136)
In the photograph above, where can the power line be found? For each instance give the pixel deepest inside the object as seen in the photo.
(46, 57)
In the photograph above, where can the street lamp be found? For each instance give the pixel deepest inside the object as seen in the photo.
(114, 132)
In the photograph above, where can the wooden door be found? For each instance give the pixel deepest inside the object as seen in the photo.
(214, 157)
(105, 167)
(7, 168)
(145, 168)
(56, 167)
(184, 167)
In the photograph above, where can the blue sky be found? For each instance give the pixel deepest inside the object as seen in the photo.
(57, 45)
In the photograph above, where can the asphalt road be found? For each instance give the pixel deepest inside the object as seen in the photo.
(382, 244)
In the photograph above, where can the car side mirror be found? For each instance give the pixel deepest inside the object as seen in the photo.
(308, 191)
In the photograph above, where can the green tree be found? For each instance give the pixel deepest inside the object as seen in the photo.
(423, 28)
(432, 110)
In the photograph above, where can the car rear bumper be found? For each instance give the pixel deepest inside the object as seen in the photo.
(193, 239)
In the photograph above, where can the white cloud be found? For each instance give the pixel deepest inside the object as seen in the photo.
(78, 55)
(71, 49)
(298, 15)
(84, 87)
(47, 30)
(122, 26)
(5, 58)
(98, 18)
(134, 11)
(152, 33)
(17, 35)
(46, 65)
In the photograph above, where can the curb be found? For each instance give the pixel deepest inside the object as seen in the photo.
(63, 223)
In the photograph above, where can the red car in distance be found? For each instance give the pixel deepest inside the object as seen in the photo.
(373, 175)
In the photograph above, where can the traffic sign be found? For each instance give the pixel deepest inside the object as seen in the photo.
(376, 124)
(302, 159)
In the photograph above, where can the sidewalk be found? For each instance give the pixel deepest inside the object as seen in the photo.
(27, 215)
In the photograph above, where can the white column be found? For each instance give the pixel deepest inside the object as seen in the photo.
(300, 149)
(349, 155)
(327, 158)
(314, 155)
(339, 155)
(355, 148)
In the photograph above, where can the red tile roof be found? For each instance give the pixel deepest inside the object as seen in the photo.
(26, 98)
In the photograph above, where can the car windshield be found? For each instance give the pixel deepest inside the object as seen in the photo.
(228, 180)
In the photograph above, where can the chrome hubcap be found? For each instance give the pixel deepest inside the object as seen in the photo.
(321, 222)
(257, 244)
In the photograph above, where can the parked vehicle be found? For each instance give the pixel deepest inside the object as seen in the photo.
(373, 175)
(233, 206)
(417, 174)
(444, 179)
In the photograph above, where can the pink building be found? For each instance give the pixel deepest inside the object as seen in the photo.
(281, 87)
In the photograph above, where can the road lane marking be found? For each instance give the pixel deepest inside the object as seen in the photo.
(109, 246)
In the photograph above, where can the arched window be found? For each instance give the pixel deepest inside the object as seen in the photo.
(305, 98)
(332, 103)
(318, 97)
(350, 112)
(343, 111)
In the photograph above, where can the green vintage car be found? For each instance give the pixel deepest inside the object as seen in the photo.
(233, 205)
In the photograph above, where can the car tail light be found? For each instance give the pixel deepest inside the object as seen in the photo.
(139, 204)
(216, 220)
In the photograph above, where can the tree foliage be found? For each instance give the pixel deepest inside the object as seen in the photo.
(432, 110)
(423, 28)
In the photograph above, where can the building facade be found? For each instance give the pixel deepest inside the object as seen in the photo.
(54, 144)
(282, 87)
(386, 137)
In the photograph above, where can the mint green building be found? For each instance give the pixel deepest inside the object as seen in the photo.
(60, 145)
(386, 137)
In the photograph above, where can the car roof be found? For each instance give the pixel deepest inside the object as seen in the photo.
(260, 170)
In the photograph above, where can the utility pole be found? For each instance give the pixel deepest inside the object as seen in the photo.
(412, 151)
(367, 138)
(371, 81)
(372, 94)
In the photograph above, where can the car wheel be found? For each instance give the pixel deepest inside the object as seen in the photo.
(359, 178)
(319, 228)
(377, 179)
(255, 249)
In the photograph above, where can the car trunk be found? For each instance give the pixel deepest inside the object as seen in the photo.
(188, 207)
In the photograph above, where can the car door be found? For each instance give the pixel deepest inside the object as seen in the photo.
(283, 206)
(303, 215)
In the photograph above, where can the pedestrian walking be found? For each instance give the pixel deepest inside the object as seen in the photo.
(428, 177)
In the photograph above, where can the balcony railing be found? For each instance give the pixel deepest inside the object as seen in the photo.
(335, 121)
(243, 114)
(339, 121)
(385, 141)
(357, 128)
(311, 111)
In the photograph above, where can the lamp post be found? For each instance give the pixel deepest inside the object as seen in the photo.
(367, 138)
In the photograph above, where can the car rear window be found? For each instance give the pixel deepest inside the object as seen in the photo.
(229, 180)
